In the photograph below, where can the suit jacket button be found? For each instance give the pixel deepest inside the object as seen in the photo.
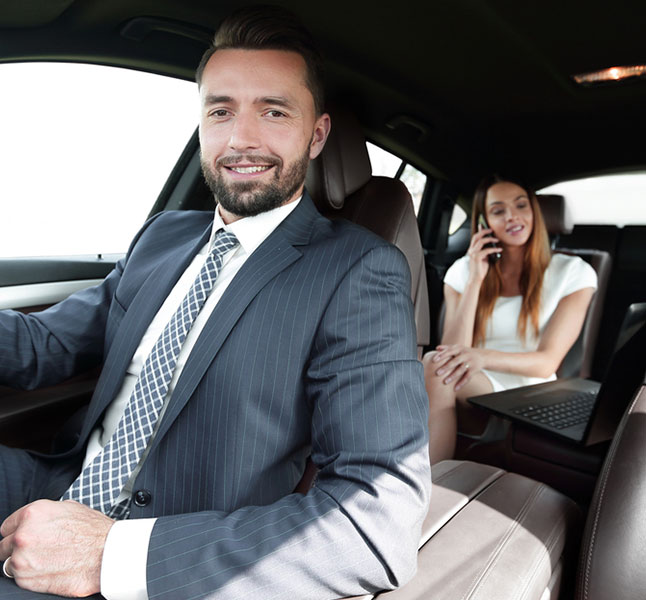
(142, 498)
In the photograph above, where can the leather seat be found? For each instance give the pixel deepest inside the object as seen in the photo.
(508, 538)
(611, 562)
(578, 361)
(492, 534)
(342, 185)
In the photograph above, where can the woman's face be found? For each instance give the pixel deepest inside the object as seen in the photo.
(509, 213)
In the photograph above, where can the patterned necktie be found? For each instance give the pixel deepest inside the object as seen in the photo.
(102, 480)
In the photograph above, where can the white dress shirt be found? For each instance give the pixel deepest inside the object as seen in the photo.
(123, 570)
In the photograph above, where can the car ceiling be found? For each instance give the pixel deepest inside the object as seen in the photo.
(458, 87)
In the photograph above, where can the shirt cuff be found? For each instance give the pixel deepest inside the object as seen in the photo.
(123, 569)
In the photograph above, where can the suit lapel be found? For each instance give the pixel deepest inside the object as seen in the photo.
(141, 311)
(274, 255)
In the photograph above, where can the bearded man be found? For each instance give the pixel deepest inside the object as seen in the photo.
(233, 345)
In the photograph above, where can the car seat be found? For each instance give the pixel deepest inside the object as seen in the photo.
(342, 185)
(579, 359)
(611, 561)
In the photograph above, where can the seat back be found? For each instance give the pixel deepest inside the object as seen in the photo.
(579, 359)
(342, 185)
(611, 560)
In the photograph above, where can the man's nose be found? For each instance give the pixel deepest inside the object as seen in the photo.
(245, 133)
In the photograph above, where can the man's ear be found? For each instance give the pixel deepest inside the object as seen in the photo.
(321, 131)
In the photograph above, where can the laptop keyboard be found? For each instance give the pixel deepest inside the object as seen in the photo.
(573, 411)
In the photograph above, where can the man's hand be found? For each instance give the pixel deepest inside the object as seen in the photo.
(55, 547)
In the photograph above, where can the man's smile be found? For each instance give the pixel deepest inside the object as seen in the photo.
(255, 169)
(246, 167)
(247, 171)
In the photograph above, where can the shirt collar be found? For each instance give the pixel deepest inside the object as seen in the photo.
(252, 231)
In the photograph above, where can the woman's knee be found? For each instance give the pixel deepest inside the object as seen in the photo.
(440, 395)
(430, 369)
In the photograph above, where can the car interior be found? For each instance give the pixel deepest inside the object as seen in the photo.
(455, 90)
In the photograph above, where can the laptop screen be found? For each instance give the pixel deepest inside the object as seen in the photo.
(624, 375)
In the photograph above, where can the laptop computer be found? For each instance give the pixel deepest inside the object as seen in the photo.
(580, 410)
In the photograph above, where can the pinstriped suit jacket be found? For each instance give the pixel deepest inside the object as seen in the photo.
(310, 350)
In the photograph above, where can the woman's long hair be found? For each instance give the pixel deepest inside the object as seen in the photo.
(536, 259)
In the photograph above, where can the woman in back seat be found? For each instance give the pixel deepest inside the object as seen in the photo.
(508, 322)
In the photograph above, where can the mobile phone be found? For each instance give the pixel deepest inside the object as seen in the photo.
(495, 256)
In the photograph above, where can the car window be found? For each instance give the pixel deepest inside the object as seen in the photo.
(84, 152)
(387, 164)
(458, 217)
(605, 200)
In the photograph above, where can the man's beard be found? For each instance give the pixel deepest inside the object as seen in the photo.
(250, 198)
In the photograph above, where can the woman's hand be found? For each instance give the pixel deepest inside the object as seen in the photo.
(456, 364)
(479, 255)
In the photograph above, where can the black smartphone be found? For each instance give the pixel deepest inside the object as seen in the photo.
(495, 256)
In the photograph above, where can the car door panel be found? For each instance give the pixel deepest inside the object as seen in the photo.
(22, 271)
(37, 296)
(34, 419)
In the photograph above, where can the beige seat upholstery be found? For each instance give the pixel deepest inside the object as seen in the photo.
(342, 185)
(491, 535)
(507, 542)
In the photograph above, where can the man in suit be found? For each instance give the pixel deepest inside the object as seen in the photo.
(305, 343)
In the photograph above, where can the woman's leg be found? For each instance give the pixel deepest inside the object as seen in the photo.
(442, 428)
(471, 419)
(445, 415)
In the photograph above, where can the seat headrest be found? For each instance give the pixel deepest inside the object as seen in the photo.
(343, 166)
(556, 215)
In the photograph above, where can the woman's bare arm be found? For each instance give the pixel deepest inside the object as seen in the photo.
(558, 337)
(460, 308)
(457, 362)
(459, 314)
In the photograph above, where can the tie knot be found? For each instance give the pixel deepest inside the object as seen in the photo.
(223, 242)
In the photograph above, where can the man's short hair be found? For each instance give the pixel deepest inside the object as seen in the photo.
(269, 28)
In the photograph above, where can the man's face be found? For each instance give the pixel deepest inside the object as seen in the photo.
(258, 129)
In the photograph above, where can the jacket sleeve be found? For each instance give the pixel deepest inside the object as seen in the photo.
(358, 528)
(47, 347)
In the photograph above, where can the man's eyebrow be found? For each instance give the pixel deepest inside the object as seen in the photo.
(215, 99)
(275, 100)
